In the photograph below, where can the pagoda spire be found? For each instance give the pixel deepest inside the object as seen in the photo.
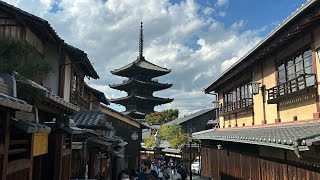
(141, 41)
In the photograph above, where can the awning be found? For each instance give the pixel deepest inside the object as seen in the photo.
(99, 142)
(122, 144)
(30, 127)
(14, 103)
(171, 150)
(172, 155)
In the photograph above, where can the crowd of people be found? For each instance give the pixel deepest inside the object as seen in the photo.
(156, 170)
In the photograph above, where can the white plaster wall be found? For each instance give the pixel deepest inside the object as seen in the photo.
(67, 81)
(52, 55)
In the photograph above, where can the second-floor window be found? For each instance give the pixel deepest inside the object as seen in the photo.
(239, 97)
(77, 84)
(295, 69)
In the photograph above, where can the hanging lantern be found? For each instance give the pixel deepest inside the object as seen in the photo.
(254, 87)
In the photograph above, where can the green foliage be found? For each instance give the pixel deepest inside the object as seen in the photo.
(162, 117)
(149, 141)
(23, 58)
(174, 134)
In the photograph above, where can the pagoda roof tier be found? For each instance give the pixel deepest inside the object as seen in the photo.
(128, 85)
(141, 67)
(151, 100)
(135, 114)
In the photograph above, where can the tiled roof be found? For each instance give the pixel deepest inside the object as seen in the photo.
(91, 119)
(143, 125)
(300, 135)
(100, 95)
(142, 63)
(126, 85)
(30, 127)
(14, 103)
(152, 99)
(48, 95)
(80, 55)
(191, 116)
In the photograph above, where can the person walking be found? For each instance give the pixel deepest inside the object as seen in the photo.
(172, 167)
(147, 173)
(123, 175)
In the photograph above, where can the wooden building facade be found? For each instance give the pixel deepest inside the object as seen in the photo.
(53, 99)
(269, 107)
(130, 130)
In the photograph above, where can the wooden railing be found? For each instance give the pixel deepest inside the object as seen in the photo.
(301, 82)
(79, 101)
(237, 106)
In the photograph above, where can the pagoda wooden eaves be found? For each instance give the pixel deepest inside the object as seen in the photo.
(141, 67)
(152, 100)
(127, 85)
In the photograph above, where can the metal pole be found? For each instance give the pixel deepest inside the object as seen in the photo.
(190, 161)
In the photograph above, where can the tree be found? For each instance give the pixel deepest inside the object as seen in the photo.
(149, 141)
(173, 134)
(22, 57)
(26, 60)
(162, 117)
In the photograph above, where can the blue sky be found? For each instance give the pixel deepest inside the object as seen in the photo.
(258, 14)
(197, 39)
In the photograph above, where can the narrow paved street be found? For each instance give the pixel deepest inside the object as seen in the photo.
(196, 177)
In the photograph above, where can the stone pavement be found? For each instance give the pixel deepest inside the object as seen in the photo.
(196, 177)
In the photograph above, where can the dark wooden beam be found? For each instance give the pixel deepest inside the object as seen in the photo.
(58, 143)
(66, 152)
(18, 165)
(6, 117)
(31, 157)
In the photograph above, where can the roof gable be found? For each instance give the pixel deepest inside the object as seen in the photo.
(189, 117)
(122, 117)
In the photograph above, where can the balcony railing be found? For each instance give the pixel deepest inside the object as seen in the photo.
(299, 85)
(79, 101)
(235, 107)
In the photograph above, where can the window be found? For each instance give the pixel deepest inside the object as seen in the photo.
(237, 98)
(294, 74)
(77, 84)
(293, 70)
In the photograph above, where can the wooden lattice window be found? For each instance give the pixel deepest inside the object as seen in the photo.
(296, 66)
(77, 84)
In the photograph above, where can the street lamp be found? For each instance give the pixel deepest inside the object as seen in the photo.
(190, 142)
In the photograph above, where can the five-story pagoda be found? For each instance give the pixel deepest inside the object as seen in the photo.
(140, 85)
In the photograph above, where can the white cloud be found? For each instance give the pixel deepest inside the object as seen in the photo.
(221, 3)
(108, 32)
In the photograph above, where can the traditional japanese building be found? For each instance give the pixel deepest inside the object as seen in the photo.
(140, 85)
(269, 109)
